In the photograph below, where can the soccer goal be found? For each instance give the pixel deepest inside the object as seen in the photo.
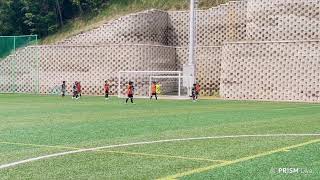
(170, 84)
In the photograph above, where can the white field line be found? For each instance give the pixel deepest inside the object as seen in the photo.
(143, 143)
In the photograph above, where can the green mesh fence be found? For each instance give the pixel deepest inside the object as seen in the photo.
(19, 64)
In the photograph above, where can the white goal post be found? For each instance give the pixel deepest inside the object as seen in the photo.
(180, 80)
(172, 83)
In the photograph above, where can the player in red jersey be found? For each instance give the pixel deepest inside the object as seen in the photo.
(106, 90)
(154, 90)
(197, 90)
(130, 91)
(78, 89)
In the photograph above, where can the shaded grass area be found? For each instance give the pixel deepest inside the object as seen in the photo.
(118, 8)
(94, 122)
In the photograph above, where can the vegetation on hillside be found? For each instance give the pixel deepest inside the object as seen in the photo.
(43, 17)
(54, 20)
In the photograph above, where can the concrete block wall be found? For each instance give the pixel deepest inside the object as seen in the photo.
(208, 67)
(280, 58)
(93, 64)
(171, 28)
(214, 26)
(27, 64)
(19, 72)
(288, 70)
(283, 20)
(148, 27)
(6, 74)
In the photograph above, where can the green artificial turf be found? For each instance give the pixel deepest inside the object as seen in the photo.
(63, 124)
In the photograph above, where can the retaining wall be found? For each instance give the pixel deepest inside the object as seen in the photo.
(19, 72)
(271, 71)
(283, 20)
(207, 64)
(92, 65)
(148, 27)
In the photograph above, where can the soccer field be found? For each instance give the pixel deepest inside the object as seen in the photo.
(49, 137)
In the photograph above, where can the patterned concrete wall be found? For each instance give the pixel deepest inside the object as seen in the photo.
(6, 75)
(283, 19)
(92, 65)
(208, 67)
(271, 71)
(215, 26)
(149, 27)
(19, 72)
(256, 20)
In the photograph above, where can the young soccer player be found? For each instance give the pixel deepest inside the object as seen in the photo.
(74, 90)
(197, 90)
(130, 91)
(79, 89)
(106, 90)
(63, 88)
(193, 92)
(154, 90)
(158, 88)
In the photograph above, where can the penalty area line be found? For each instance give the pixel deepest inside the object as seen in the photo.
(144, 143)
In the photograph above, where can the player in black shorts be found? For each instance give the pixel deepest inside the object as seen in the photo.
(106, 90)
(154, 90)
(194, 93)
(75, 91)
(63, 89)
(130, 91)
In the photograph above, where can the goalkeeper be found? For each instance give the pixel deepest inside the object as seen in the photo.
(158, 88)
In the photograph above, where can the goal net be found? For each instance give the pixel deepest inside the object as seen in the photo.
(170, 84)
